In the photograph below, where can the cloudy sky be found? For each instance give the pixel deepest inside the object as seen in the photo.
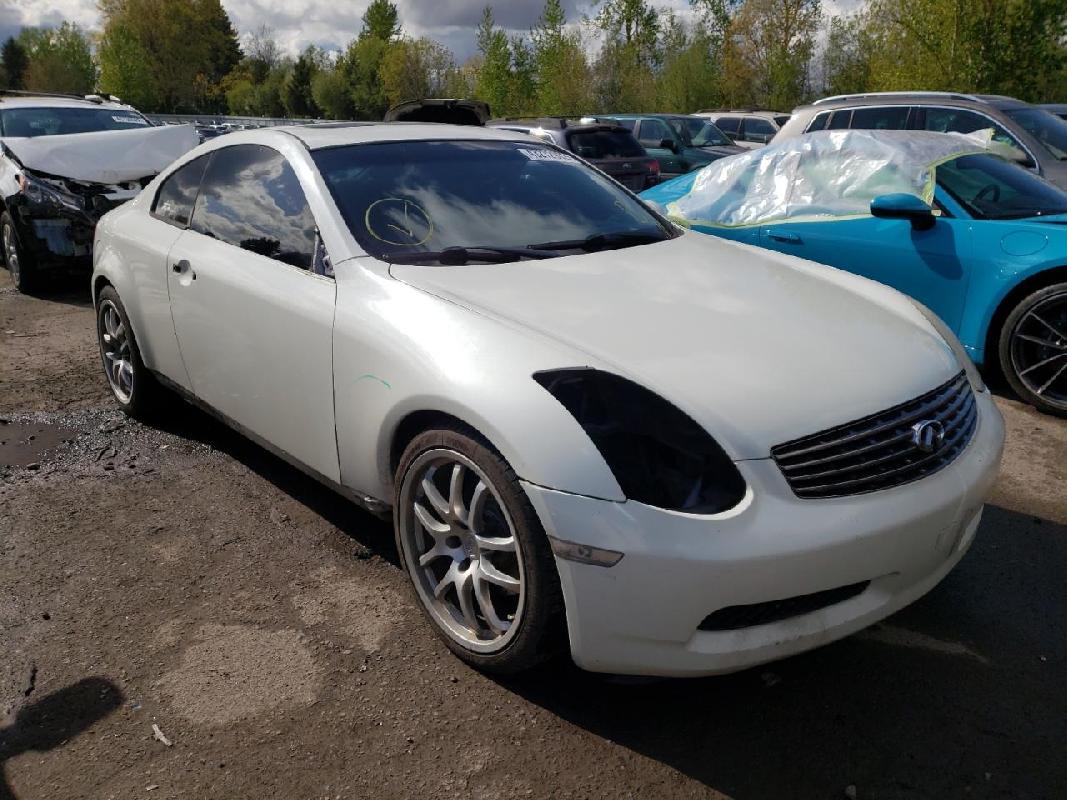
(331, 23)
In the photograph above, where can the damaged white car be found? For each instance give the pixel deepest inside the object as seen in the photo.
(64, 162)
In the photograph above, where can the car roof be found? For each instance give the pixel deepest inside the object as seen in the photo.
(977, 101)
(319, 135)
(53, 101)
(741, 113)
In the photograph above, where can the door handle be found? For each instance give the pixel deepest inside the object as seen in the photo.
(788, 238)
(182, 266)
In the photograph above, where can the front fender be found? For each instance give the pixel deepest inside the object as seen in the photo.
(399, 350)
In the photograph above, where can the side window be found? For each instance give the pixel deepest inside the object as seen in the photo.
(758, 130)
(960, 120)
(653, 131)
(731, 126)
(886, 118)
(174, 201)
(627, 123)
(840, 119)
(819, 122)
(251, 198)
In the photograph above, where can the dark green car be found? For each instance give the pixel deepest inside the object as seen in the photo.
(681, 143)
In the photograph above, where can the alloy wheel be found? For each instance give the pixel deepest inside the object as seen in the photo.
(115, 349)
(461, 551)
(11, 253)
(1039, 350)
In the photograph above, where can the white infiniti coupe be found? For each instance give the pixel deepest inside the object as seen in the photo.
(696, 455)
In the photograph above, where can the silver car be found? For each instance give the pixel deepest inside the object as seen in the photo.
(1038, 137)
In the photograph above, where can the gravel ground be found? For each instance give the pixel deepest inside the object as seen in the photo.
(184, 615)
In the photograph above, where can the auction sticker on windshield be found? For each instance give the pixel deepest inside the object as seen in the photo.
(546, 155)
(129, 120)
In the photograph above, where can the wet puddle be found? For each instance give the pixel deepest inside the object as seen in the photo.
(23, 443)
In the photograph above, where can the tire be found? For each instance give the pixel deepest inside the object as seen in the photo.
(1033, 349)
(134, 388)
(529, 603)
(18, 262)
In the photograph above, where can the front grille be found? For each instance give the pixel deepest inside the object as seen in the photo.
(733, 618)
(881, 451)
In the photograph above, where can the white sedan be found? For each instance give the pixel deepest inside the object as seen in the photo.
(695, 455)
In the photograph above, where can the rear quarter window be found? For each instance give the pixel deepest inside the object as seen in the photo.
(605, 144)
(177, 194)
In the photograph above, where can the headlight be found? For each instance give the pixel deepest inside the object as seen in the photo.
(953, 341)
(42, 194)
(658, 455)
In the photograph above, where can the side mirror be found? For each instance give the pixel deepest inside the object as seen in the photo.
(904, 206)
(759, 138)
(669, 144)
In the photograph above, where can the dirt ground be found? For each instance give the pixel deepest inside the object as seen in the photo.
(180, 579)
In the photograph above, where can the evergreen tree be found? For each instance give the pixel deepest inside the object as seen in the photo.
(13, 56)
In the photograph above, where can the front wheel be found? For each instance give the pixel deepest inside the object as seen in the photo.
(19, 264)
(1033, 349)
(475, 552)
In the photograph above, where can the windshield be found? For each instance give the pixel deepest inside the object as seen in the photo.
(27, 122)
(1047, 128)
(699, 132)
(991, 188)
(605, 144)
(403, 199)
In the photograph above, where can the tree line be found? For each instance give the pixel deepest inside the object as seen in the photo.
(628, 55)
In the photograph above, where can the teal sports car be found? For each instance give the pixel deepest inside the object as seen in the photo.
(974, 237)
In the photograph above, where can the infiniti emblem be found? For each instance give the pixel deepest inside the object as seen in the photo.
(928, 435)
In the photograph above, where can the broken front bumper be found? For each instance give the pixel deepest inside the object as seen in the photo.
(59, 239)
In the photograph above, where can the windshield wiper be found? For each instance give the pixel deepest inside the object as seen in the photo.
(603, 241)
(458, 256)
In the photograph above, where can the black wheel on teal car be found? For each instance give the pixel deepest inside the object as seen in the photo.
(1033, 349)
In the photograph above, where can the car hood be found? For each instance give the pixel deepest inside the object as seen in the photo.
(107, 157)
(758, 347)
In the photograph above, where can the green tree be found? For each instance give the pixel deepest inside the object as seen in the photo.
(381, 20)
(331, 93)
(999, 46)
(494, 77)
(768, 52)
(413, 68)
(563, 75)
(58, 60)
(297, 95)
(13, 56)
(177, 50)
(690, 77)
(847, 57)
(125, 67)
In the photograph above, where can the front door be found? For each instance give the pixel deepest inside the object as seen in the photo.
(253, 321)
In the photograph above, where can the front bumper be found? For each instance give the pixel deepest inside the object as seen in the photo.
(642, 616)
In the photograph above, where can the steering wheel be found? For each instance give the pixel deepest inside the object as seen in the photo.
(990, 193)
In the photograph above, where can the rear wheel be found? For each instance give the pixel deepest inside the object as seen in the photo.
(133, 386)
(475, 552)
(19, 264)
(1033, 349)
